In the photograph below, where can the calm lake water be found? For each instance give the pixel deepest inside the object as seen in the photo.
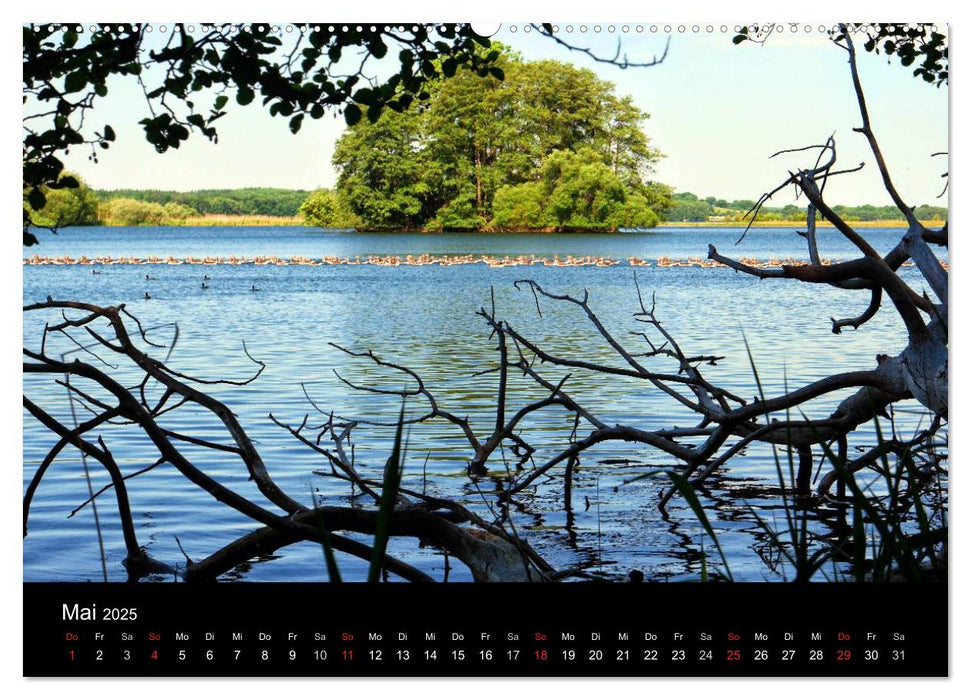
(425, 317)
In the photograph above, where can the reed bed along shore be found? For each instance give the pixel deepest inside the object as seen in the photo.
(238, 220)
(418, 260)
(246, 220)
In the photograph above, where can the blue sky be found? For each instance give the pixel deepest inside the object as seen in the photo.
(717, 112)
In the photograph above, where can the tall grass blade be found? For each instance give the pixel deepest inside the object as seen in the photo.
(775, 454)
(691, 498)
(389, 496)
(704, 562)
(859, 545)
(333, 572)
(891, 547)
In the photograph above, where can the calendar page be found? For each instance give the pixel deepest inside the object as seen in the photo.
(463, 349)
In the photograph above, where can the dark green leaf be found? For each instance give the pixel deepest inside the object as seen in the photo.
(244, 95)
(365, 96)
(75, 82)
(378, 48)
(36, 199)
(352, 114)
(318, 39)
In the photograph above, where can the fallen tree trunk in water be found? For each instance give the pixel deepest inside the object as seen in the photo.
(490, 558)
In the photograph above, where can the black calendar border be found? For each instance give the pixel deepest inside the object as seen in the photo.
(919, 611)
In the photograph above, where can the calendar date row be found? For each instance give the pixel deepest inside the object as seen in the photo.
(540, 655)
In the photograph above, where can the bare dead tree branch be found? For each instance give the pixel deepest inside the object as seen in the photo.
(490, 552)
(619, 59)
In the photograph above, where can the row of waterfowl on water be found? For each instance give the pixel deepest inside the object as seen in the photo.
(379, 260)
(414, 260)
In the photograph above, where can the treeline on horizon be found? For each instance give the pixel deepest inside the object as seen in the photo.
(274, 201)
(80, 206)
(247, 201)
(688, 207)
(142, 207)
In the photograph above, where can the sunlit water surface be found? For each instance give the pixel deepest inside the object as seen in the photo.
(425, 317)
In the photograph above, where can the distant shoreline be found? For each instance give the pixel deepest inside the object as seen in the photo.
(244, 220)
(884, 223)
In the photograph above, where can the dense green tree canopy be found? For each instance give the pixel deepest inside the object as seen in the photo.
(382, 171)
(442, 167)
(324, 208)
(64, 206)
(576, 191)
(917, 45)
(132, 212)
(190, 74)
